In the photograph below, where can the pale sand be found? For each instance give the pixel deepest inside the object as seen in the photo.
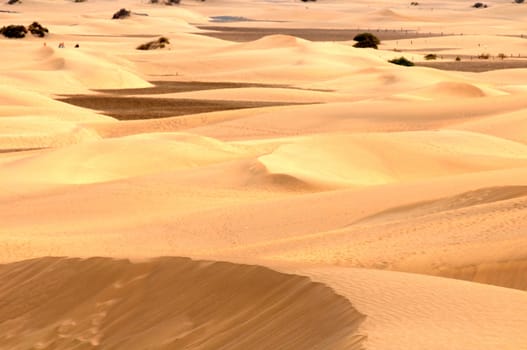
(401, 193)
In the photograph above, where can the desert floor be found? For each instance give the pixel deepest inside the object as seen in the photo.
(259, 183)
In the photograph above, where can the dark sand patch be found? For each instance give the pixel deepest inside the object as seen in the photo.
(476, 66)
(169, 87)
(136, 108)
(244, 34)
(13, 150)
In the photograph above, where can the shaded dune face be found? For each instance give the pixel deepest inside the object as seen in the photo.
(168, 303)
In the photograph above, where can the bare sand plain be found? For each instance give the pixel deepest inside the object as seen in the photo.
(259, 183)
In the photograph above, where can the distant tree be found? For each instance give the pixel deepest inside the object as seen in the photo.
(366, 40)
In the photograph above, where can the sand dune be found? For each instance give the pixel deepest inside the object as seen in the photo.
(183, 303)
(400, 192)
(451, 310)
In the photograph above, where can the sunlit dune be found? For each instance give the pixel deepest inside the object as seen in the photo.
(257, 181)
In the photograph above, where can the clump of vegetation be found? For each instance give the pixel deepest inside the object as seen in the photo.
(122, 13)
(366, 40)
(402, 61)
(37, 29)
(458, 59)
(414, 3)
(153, 45)
(172, 2)
(480, 5)
(502, 56)
(12, 2)
(16, 31)
(13, 31)
(519, 1)
(431, 56)
(484, 56)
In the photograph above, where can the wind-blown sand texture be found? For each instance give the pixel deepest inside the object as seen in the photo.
(265, 186)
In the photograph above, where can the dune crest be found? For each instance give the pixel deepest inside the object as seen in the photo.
(168, 303)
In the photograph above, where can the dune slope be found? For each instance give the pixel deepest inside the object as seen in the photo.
(168, 303)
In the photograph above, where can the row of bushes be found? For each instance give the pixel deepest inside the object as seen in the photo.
(19, 31)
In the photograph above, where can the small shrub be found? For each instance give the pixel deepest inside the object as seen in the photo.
(12, 2)
(366, 40)
(122, 13)
(37, 29)
(458, 59)
(13, 31)
(431, 56)
(484, 56)
(502, 56)
(480, 5)
(153, 45)
(402, 61)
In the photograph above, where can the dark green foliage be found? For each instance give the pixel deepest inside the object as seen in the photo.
(401, 61)
(366, 40)
(19, 31)
(37, 29)
(122, 13)
(13, 31)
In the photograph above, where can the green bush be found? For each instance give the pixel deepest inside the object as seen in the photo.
(401, 61)
(13, 31)
(366, 40)
(37, 29)
(122, 13)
